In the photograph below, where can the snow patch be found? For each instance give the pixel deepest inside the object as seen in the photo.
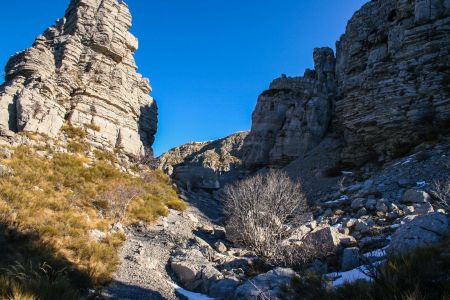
(190, 295)
(378, 253)
(360, 273)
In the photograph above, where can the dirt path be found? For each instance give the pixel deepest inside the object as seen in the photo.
(144, 271)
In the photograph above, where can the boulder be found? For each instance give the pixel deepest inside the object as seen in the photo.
(350, 258)
(220, 247)
(265, 286)
(415, 196)
(223, 289)
(327, 240)
(422, 231)
(5, 171)
(193, 270)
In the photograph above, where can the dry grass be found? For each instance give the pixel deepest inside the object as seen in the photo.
(59, 201)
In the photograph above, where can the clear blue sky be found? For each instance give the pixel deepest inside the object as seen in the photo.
(207, 60)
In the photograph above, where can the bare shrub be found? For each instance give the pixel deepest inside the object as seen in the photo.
(295, 255)
(263, 209)
(440, 189)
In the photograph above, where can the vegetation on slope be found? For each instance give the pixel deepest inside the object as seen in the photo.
(48, 211)
(421, 275)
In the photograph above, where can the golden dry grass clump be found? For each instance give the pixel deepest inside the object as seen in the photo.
(48, 207)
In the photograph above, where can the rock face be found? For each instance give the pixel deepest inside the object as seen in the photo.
(292, 116)
(82, 72)
(205, 165)
(387, 90)
(393, 77)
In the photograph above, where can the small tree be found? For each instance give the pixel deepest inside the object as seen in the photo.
(263, 209)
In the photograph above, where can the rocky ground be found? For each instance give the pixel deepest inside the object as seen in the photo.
(367, 214)
(145, 272)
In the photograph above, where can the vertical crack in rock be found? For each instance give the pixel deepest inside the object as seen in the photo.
(82, 71)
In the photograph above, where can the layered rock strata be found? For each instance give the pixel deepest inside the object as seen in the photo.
(81, 72)
(393, 77)
(293, 115)
(387, 92)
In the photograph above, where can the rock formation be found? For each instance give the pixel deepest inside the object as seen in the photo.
(207, 164)
(81, 72)
(293, 115)
(387, 91)
(393, 77)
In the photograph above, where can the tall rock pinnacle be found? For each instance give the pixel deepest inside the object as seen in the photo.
(81, 72)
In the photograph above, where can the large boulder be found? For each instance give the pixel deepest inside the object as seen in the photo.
(415, 196)
(193, 270)
(327, 240)
(265, 286)
(421, 231)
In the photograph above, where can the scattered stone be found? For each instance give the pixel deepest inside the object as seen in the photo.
(193, 218)
(362, 226)
(220, 247)
(358, 203)
(382, 207)
(5, 171)
(97, 235)
(6, 153)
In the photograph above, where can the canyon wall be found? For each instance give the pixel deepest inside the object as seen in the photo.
(386, 91)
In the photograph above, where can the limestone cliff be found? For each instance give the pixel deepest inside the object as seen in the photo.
(393, 77)
(387, 90)
(81, 72)
(293, 115)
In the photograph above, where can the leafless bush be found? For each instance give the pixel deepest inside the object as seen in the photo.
(440, 189)
(295, 255)
(116, 200)
(262, 209)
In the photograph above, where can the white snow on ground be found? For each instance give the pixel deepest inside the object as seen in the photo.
(350, 276)
(190, 295)
(376, 253)
(421, 184)
(360, 273)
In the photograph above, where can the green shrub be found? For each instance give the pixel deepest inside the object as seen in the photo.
(422, 274)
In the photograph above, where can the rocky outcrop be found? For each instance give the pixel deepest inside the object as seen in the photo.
(205, 165)
(387, 90)
(82, 72)
(292, 116)
(393, 77)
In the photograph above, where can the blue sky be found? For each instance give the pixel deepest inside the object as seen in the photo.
(207, 60)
